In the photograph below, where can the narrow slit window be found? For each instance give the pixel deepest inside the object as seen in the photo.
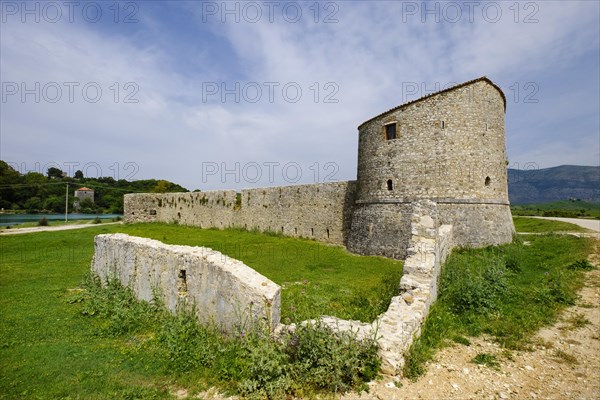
(443, 124)
(390, 185)
(182, 282)
(390, 131)
(488, 180)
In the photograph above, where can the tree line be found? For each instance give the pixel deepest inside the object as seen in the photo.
(34, 192)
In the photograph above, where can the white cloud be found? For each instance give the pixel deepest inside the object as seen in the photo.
(368, 54)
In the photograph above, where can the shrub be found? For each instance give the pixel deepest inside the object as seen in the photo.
(554, 290)
(43, 222)
(184, 344)
(311, 360)
(97, 220)
(474, 287)
(116, 306)
(583, 264)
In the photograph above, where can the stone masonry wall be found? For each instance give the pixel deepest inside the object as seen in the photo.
(225, 291)
(320, 211)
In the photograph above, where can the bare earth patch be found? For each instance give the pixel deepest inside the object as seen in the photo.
(564, 362)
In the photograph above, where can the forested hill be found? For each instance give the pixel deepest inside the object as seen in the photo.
(554, 184)
(36, 192)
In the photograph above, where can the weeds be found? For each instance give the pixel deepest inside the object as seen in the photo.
(313, 359)
(461, 340)
(565, 357)
(489, 360)
(582, 264)
(577, 321)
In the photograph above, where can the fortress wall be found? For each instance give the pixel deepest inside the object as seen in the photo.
(204, 209)
(478, 225)
(319, 211)
(225, 291)
(381, 229)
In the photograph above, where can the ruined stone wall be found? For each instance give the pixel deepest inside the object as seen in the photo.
(396, 329)
(320, 211)
(225, 291)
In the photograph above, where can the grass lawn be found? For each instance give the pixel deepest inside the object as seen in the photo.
(564, 208)
(536, 225)
(49, 350)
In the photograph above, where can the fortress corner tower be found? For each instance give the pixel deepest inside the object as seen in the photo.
(448, 147)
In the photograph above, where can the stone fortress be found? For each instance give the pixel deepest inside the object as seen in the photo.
(447, 147)
(432, 175)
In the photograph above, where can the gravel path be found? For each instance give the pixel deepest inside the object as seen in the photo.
(18, 231)
(593, 224)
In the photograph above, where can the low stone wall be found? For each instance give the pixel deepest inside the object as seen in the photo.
(320, 211)
(225, 291)
(396, 329)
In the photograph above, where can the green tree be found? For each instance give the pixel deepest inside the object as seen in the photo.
(54, 173)
(55, 203)
(8, 177)
(87, 206)
(78, 174)
(162, 186)
(33, 204)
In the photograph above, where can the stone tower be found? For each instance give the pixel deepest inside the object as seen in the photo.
(448, 147)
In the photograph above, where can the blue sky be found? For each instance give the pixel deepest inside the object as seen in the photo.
(215, 95)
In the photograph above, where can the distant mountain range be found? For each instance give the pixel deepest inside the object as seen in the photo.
(554, 184)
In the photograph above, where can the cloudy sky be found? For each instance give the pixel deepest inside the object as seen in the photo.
(215, 95)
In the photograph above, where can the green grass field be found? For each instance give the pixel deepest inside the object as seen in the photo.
(49, 350)
(535, 225)
(565, 208)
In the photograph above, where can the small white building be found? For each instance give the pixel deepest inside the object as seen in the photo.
(84, 193)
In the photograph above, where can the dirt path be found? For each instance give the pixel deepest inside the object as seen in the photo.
(593, 224)
(17, 231)
(564, 363)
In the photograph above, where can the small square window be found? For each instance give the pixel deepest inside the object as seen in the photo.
(390, 132)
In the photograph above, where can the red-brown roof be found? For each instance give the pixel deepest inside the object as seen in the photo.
(84, 188)
(483, 78)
